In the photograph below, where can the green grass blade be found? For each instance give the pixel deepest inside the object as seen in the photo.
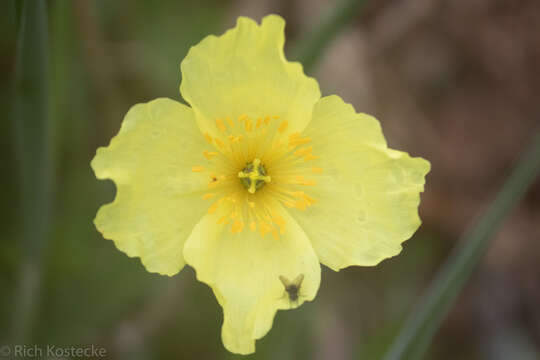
(312, 47)
(416, 335)
(32, 132)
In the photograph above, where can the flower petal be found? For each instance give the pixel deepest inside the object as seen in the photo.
(158, 199)
(243, 270)
(367, 195)
(244, 71)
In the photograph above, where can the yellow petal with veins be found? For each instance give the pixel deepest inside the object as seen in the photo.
(244, 73)
(367, 196)
(243, 270)
(158, 197)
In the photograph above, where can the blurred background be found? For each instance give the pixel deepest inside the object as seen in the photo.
(456, 82)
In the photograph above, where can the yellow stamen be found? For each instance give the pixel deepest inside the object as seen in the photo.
(303, 151)
(294, 136)
(209, 154)
(208, 138)
(297, 140)
(305, 200)
(237, 226)
(248, 124)
(242, 117)
(212, 209)
(309, 199)
(253, 226)
(267, 120)
(264, 228)
(221, 125)
(309, 183)
(288, 204)
(280, 222)
(219, 143)
(301, 204)
(208, 196)
(230, 121)
(316, 170)
(283, 126)
(223, 220)
(310, 157)
(300, 180)
(234, 139)
(197, 168)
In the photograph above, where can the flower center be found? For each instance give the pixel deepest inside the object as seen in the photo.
(247, 143)
(253, 176)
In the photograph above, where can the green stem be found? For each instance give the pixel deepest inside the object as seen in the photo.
(420, 327)
(32, 131)
(310, 49)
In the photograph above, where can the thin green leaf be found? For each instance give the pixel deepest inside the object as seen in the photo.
(32, 132)
(416, 335)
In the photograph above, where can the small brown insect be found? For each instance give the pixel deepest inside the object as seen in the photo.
(292, 288)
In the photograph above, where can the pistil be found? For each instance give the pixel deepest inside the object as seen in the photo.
(253, 176)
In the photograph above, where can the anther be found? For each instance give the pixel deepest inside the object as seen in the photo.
(209, 154)
(212, 209)
(237, 227)
(221, 125)
(219, 143)
(248, 125)
(283, 126)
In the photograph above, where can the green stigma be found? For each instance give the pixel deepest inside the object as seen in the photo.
(253, 176)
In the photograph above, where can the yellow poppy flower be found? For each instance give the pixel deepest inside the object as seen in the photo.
(257, 183)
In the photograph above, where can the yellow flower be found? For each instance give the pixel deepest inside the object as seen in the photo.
(257, 183)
